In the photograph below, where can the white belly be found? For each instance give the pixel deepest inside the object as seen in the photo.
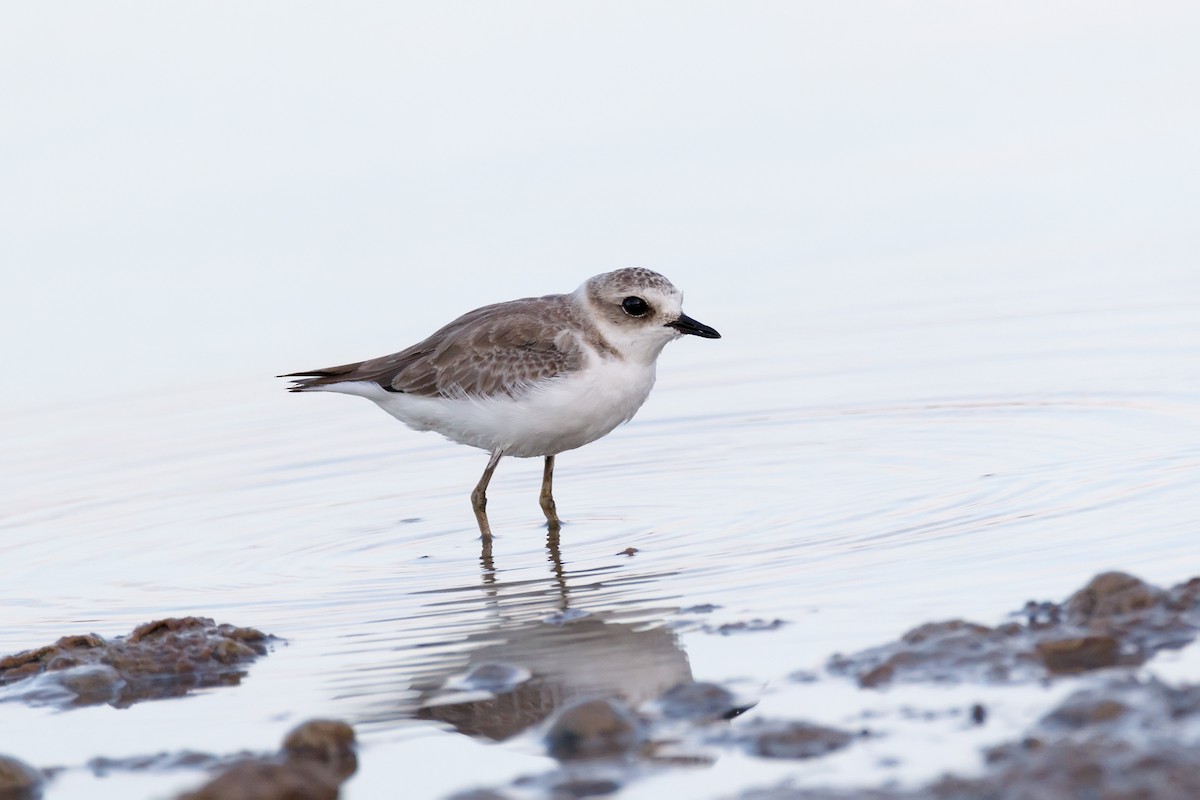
(557, 415)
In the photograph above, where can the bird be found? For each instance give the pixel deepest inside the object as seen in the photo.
(527, 378)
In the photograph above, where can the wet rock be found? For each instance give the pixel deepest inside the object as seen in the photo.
(700, 701)
(1078, 712)
(1100, 769)
(593, 729)
(328, 742)
(1112, 594)
(942, 652)
(793, 739)
(1078, 654)
(264, 780)
(18, 780)
(316, 757)
(1143, 618)
(164, 658)
(1120, 740)
(584, 787)
(1115, 620)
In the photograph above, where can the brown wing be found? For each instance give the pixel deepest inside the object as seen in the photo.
(493, 350)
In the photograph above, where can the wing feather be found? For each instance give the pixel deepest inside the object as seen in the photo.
(494, 350)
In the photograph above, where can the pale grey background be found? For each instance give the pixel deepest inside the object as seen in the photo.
(234, 189)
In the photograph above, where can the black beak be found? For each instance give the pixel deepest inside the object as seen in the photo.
(686, 324)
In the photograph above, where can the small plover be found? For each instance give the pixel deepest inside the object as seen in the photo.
(527, 378)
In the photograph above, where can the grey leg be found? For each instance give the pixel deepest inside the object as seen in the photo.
(547, 496)
(479, 496)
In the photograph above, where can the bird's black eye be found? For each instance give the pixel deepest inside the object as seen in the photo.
(635, 306)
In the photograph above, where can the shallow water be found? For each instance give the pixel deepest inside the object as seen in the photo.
(850, 473)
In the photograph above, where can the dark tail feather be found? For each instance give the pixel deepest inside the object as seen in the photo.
(321, 377)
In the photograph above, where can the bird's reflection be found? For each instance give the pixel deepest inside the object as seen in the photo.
(537, 652)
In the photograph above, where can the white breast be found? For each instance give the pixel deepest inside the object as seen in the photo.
(556, 415)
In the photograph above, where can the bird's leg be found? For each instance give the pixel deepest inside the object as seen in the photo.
(479, 496)
(547, 496)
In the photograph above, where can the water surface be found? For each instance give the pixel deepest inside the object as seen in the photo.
(849, 476)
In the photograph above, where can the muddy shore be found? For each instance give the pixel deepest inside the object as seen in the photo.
(1120, 734)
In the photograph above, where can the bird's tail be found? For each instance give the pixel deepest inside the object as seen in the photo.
(318, 378)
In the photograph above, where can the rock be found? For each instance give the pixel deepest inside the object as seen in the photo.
(263, 780)
(19, 781)
(773, 739)
(1079, 654)
(584, 787)
(949, 651)
(328, 742)
(1112, 594)
(1115, 620)
(699, 701)
(1121, 740)
(316, 757)
(164, 658)
(593, 729)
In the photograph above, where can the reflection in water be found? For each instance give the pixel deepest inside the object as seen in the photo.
(536, 653)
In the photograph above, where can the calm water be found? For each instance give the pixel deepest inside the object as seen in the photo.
(851, 467)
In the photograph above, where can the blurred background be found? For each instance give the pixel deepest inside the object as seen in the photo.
(233, 189)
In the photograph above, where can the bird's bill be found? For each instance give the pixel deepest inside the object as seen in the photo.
(686, 324)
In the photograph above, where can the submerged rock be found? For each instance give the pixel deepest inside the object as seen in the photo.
(164, 658)
(1115, 620)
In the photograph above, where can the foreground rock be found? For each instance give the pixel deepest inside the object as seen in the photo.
(316, 758)
(1123, 740)
(593, 729)
(1115, 620)
(19, 781)
(164, 658)
(791, 739)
